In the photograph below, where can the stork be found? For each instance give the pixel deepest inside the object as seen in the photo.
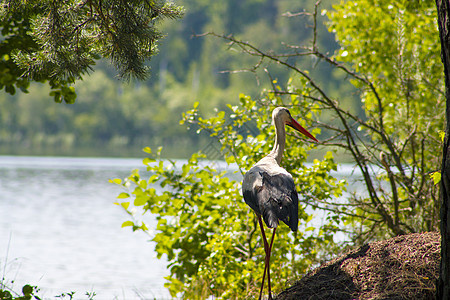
(269, 189)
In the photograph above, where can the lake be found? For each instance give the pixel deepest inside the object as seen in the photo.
(60, 231)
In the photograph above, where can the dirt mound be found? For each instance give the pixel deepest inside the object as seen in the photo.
(405, 267)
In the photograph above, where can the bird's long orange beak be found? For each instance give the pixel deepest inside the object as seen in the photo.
(294, 124)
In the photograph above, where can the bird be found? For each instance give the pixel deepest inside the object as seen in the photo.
(270, 190)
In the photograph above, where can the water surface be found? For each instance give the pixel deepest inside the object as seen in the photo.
(59, 230)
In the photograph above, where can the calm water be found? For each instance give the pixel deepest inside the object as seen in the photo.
(59, 230)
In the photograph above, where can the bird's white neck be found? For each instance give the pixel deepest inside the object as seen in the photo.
(280, 141)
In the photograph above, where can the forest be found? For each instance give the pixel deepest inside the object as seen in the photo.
(111, 117)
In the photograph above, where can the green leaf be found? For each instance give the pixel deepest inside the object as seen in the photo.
(57, 97)
(329, 155)
(123, 195)
(127, 223)
(147, 150)
(436, 176)
(441, 135)
(27, 290)
(141, 200)
(144, 227)
(116, 181)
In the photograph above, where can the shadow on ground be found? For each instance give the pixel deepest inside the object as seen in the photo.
(404, 267)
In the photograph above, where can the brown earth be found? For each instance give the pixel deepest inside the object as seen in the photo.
(404, 267)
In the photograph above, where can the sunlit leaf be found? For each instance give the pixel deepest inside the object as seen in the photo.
(441, 135)
(127, 223)
(116, 181)
(123, 195)
(436, 176)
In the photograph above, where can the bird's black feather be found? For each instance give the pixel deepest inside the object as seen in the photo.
(276, 199)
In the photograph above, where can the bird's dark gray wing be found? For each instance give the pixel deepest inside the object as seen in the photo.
(275, 198)
(278, 200)
(250, 188)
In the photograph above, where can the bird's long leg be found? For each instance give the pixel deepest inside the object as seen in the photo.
(266, 250)
(268, 263)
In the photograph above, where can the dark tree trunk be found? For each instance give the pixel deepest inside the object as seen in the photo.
(443, 284)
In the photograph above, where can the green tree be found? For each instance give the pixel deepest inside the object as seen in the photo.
(389, 45)
(59, 41)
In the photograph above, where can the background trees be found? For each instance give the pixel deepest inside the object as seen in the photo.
(186, 70)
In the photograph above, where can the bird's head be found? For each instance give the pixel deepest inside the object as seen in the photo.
(282, 114)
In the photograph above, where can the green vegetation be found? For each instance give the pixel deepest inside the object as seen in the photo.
(107, 119)
(110, 118)
(388, 60)
(59, 41)
(399, 73)
(210, 236)
(32, 292)
(28, 293)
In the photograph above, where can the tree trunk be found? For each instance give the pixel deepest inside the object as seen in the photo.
(443, 284)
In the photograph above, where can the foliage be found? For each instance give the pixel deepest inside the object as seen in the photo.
(132, 117)
(208, 233)
(28, 293)
(115, 119)
(59, 41)
(395, 145)
(32, 292)
(402, 93)
(70, 295)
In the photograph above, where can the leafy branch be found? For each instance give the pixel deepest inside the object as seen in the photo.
(400, 159)
(60, 41)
